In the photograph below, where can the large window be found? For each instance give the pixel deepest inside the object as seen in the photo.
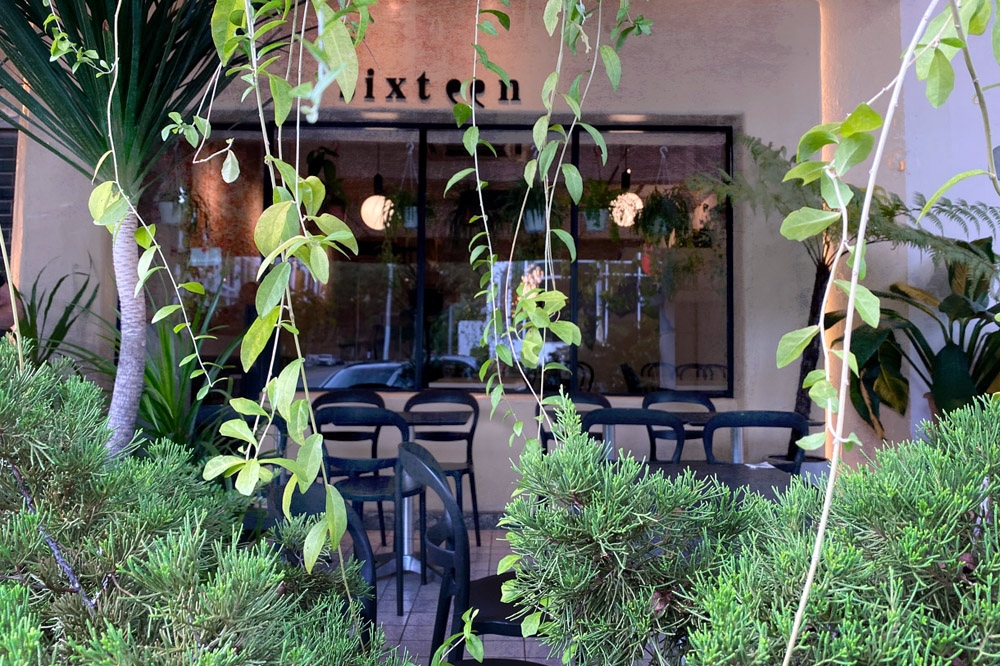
(650, 289)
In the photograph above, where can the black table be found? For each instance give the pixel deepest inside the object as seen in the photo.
(437, 417)
(763, 480)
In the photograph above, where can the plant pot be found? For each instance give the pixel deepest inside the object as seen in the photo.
(534, 221)
(595, 220)
(410, 217)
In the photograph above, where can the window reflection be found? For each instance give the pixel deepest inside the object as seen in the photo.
(651, 297)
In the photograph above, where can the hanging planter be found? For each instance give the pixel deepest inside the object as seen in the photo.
(595, 205)
(533, 202)
(172, 213)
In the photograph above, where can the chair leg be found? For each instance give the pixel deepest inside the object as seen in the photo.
(458, 491)
(678, 450)
(381, 522)
(423, 530)
(475, 505)
(441, 614)
(398, 554)
(652, 446)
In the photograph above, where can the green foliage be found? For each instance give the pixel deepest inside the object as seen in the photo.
(171, 396)
(965, 364)
(579, 27)
(160, 575)
(165, 67)
(606, 552)
(38, 310)
(625, 568)
(909, 570)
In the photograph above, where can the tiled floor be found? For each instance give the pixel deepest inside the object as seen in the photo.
(413, 630)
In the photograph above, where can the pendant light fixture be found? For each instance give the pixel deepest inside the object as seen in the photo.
(627, 205)
(376, 209)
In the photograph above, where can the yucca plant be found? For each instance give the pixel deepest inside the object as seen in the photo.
(170, 407)
(125, 65)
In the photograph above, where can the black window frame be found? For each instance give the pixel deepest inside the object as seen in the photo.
(602, 125)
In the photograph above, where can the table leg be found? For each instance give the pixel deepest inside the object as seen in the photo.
(411, 562)
(609, 442)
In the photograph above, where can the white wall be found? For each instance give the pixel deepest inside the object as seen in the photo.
(54, 236)
(944, 142)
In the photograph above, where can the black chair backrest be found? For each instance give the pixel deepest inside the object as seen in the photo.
(585, 376)
(313, 502)
(632, 381)
(360, 396)
(346, 397)
(673, 395)
(361, 416)
(615, 416)
(446, 544)
(578, 398)
(449, 397)
(588, 398)
(756, 418)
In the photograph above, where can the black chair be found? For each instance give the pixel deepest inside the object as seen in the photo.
(584, 376)
(446, 547)
(352, 396)
(633, 382)
(362, 486)
(756, 419)
(579, 399)
(313, 502)
(455, 470)
(666, 397)
(633, 416)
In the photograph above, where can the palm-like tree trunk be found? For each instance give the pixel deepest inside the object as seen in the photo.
(132, 354)
(165, 61)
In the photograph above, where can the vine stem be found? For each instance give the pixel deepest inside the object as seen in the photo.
(845, 370)
(980, 98)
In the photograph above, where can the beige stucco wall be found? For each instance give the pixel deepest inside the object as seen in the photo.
(54, 236)
(766, 65)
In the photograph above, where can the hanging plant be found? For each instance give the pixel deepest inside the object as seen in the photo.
(320, 163)
(533, 201)
(666, 217)
(595, 204)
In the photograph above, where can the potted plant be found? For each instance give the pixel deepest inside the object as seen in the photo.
(965, 365)
(405, 212)
(532, 201)
(665, 217)
(595, 204)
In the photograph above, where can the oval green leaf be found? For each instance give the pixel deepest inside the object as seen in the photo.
(865, 302)
(313, 545)
(794, 343)
(807, 222)
(273, 286)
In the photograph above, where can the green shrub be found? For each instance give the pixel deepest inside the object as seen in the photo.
(628, 568)
(161, 577)
(606, 552)
(910, 571)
